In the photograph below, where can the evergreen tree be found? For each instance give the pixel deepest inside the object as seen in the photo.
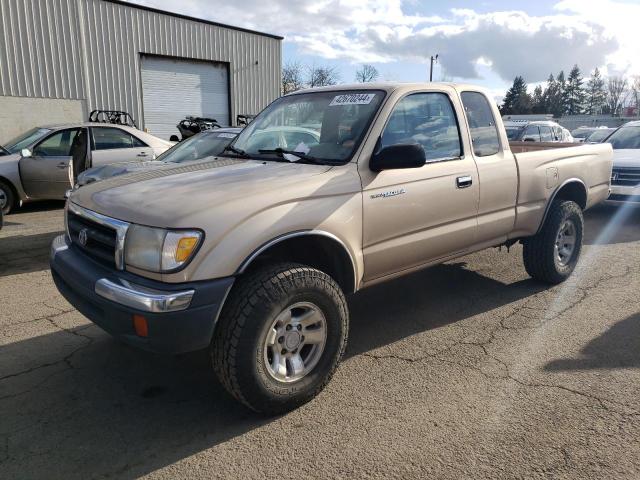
(596, 95)
(552, 97)
(561, 105)
(517, 100)
(574, 93)
(538, 104)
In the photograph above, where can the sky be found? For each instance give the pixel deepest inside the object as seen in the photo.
(482, 42)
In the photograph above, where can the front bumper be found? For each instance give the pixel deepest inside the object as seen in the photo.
(180, 318)
(620, 193)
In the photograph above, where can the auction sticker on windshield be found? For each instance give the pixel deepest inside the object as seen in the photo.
(353, 99)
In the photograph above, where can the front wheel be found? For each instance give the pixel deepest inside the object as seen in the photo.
(280, 337)
(7, 200)
(552, 254)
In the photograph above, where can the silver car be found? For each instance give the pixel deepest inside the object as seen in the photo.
(37, 165)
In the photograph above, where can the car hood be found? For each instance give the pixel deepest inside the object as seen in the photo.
(626, 158)
(191, 194)
(12, 157)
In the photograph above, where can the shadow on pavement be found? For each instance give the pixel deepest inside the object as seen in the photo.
(618, 347)
(425, 300)
(607, 224)
(39, 206)
(25, 253)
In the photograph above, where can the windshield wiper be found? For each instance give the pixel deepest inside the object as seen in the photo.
(302, 156)
(237, 151)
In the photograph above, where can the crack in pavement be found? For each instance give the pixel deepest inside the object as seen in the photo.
(500, 326)
(66, 359)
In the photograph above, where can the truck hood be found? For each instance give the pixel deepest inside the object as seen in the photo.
(188, 195)
(103, 172)
(626, 158)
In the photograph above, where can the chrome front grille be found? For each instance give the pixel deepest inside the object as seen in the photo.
(627, 177)
(99, 236)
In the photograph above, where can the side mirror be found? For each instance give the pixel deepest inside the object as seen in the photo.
(398, 156)
(26, 153)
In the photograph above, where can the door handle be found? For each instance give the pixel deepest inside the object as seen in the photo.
(464, 181)
(143, 154)
(62, 165)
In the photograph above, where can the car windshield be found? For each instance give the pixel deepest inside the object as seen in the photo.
(625, 137)
(514, 132)
(582, 133)
(599, 135)
(202, 145)
(26, 139)
(325, 127)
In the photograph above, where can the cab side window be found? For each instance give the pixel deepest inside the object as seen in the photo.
(108, 138)
(482, 125)
(427, 119)
(57, 145)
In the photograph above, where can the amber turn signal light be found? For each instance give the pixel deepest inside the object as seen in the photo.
(140, 326)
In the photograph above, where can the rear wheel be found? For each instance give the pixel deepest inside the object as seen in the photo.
(7, 198)
(280, 337)
(552, 254)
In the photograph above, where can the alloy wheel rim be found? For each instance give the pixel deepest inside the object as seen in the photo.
(295, 342)
(565, 243)
(3, 198)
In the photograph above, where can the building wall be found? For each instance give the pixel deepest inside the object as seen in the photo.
(19, 114)
(90, 50)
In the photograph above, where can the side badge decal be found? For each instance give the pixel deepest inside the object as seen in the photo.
(390, 193)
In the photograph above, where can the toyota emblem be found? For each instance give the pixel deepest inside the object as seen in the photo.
(82, 237)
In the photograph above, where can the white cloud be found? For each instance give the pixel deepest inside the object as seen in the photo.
(618, 19)
(510, 43)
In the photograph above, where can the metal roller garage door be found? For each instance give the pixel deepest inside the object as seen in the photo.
(173, 88)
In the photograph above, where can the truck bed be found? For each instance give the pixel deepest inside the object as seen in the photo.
(544, 167)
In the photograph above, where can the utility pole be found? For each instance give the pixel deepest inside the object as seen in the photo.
(433, 59)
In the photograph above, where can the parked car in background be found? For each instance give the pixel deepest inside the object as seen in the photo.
(580, 133)
(536, 131)
(251, 255)
(37, 163)
(200, 146)
(625, 176)
(599, 135)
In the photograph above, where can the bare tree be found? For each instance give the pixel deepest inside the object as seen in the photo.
(616, 93)
(635, 90)
(367, 73)
(291, 77)
(322, 76)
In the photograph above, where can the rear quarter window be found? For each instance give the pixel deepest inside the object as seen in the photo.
(482, 125)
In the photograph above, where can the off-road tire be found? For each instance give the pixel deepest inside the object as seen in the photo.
(10, 197)
(237, 348)
(538, 252)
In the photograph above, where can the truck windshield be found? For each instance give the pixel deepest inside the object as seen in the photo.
(323, 126)
(26, 139)
(201, 145)
(625, 137)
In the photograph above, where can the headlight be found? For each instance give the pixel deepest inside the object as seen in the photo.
(159, 250)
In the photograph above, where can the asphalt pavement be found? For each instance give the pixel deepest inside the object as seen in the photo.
(466, 370)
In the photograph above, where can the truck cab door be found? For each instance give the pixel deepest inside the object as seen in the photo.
(415, 216)
(497, 170)
(45, 170)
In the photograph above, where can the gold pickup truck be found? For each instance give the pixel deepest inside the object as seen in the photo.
(326, 192)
